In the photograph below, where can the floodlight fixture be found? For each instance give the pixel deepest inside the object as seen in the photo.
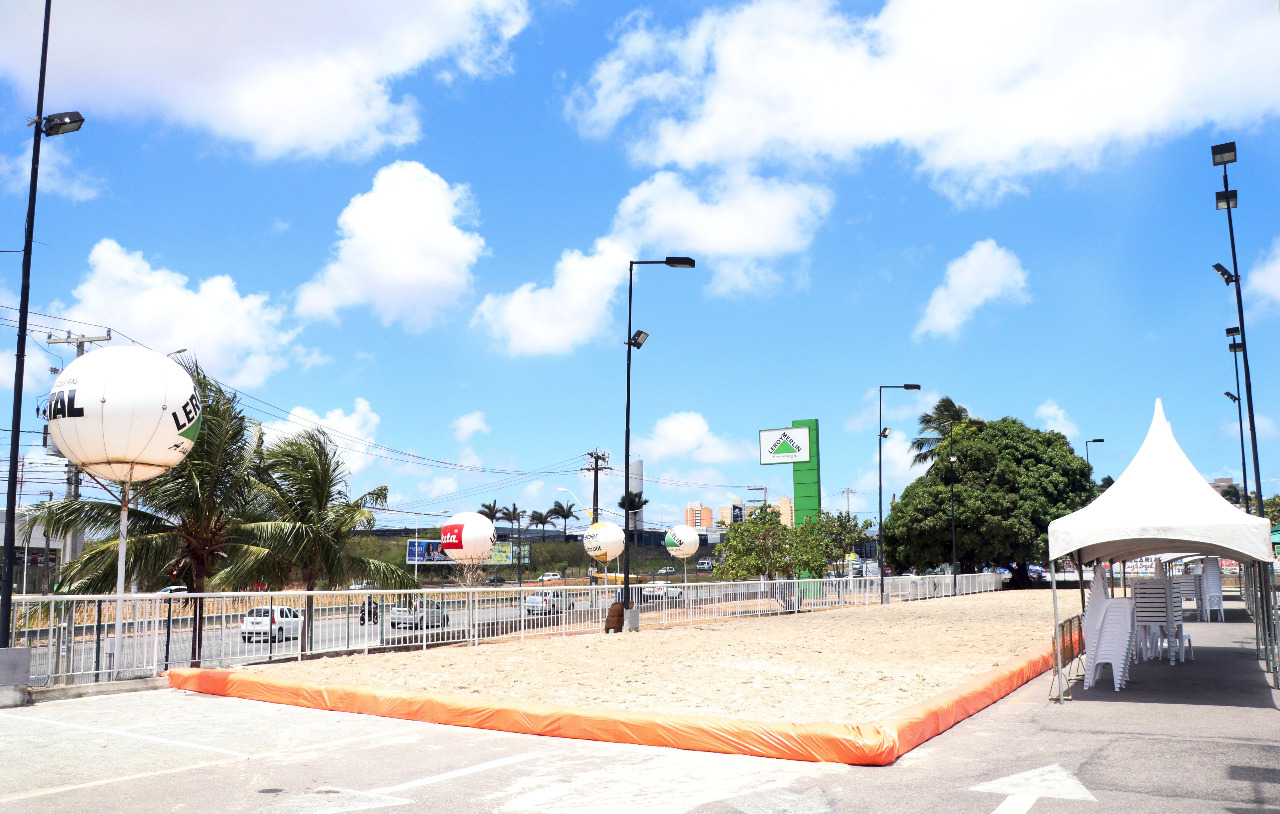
(679, 262)
(1224, 153)
(885, 432)
(954, 459)
(637, 339)
(1232, 396)
(60, 123)
(1235, 347)
(1233, 332)
(1227, 277)
(1226, 199)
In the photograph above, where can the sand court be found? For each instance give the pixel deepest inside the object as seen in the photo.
(849, 665)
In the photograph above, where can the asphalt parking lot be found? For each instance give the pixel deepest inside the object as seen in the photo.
(1179, 739)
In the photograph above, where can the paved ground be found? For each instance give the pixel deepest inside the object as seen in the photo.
(1194, 737)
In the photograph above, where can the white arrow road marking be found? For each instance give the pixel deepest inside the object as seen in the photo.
(1024, 789)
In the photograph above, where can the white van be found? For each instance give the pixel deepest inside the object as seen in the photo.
(705, 565)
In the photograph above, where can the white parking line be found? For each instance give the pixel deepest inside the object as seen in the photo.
(124, 733)
(27, 795)
(443, 776)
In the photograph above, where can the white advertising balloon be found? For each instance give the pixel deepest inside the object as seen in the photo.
(681, 541)
(468, 537)
(604, 541)
(124, 413)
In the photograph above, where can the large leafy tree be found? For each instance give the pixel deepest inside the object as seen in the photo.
(936, 425)
(756, 547)
(303, 488)
(1010, 482)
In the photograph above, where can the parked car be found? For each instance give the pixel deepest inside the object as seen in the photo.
(495, 580)
(548, 600)
(669, 569)
(659, 591)
(173, 589)
(1037, 573)
(276, 624)
(363, 585)
(551, 575)
(421, 613)
(705, 565)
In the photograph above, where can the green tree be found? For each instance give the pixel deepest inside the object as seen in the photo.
(490, 510)
(936, 425)
(1270, 508)
(315, 522)
(565, 512)
(1105, 483)
(1011, 481)
(1231, 494)
(537, 518)
(755, 547)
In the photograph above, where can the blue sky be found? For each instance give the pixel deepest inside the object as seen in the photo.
(412, 221)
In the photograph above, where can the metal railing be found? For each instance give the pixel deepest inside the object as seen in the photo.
(72, 638)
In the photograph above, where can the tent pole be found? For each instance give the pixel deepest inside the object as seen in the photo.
(1057, 653)
(1124, 578)
(1080, 573)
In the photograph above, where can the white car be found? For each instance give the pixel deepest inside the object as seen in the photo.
(706, 565)
(173, 589)
(659, 591)
(422, 613)
(549, 600)
(276, 624)
(669, 569)
(551, 575)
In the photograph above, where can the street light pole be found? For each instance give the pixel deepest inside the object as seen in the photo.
(1225, 154)
(1086, 452)
(61, 123)
(880, 436)
(955, 564)
(634, 340)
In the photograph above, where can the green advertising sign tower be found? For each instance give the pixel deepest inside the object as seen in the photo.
(797, 445)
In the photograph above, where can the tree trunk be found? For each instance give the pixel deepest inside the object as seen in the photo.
(305, 641)
(197, 613)
(1019, 576)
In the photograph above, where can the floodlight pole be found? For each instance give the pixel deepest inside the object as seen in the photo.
(1244, 464)
(880, 482)
(15, 426)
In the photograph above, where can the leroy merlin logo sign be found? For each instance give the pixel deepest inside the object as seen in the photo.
(788, 445)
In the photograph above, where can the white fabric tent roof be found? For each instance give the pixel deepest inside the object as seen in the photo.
(1161, 504)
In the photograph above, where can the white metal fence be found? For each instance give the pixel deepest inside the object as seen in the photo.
(72, 638)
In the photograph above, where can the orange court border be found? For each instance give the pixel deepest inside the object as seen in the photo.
(878, 743)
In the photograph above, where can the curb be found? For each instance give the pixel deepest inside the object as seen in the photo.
(878, 743)
(66, 692)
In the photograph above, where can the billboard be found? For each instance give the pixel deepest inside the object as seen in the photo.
(434, 552)
(416, 552)
(788, 445)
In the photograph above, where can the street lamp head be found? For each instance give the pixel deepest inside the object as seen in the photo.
(910, 387)
(60, 123)
(679, 262)
(1232, 396)
(1233, 332)
(1224, 153)
(1097, 441)
(1227, 277)
(1227, 199)
(885, 432)
(637, 339)
(1235, 347)
(954, 459)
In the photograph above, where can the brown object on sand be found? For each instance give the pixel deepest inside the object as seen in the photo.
(613, 621)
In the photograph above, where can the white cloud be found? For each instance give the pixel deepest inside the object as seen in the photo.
(468, 425)
(983, 94)
(401, 252)
(1262, 282)
(687, 435)
(241, 339)
(353, 432)
(439, 486)
(295, 77)
(574, 309)
(56, 175)
(279, 227)
(985, 273)
(1055, 419)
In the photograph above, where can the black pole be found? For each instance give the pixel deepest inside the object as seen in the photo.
(1244, 465)
(1244, 346)
(11, 499)
(626, 457)
(955, 566)
(880, 494)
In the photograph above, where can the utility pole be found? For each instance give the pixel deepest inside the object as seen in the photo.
(79, 340)
(847, 510)
(764, 501)
(599, 461)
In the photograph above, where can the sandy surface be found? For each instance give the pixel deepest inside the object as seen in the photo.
(840, 665)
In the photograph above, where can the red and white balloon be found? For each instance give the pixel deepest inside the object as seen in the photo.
(468, 537)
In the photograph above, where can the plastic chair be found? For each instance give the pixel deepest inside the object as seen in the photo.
(1115, 643)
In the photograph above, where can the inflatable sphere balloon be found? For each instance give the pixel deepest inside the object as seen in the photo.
(681, 541)
(468, 537)
(124, 413)
(604, 541)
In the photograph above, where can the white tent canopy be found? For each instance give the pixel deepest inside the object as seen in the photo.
(1161, 504)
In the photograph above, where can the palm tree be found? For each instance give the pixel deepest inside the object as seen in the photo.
(563, 512)
(936, 425)
(314, 522)
(537, 518)
(631, 502)
(186, 524)
(490, 510)
(512, 514)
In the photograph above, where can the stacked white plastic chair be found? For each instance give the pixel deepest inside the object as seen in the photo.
(1211, 589)
(1114, 644)
(1090, 624)
(1152, 600)
(1185, 590)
